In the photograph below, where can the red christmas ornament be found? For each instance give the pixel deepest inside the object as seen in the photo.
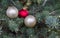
(23, 13)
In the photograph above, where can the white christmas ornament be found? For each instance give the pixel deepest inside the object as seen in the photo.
(12, 12)
(30, 21)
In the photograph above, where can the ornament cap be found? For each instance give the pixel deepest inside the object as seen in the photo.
(25, 7)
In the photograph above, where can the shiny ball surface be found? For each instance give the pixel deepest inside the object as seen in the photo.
(30, 21)
(23, 13)
(12, 12)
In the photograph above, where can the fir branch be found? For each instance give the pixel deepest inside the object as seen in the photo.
(52, 12)
(44, 2)
(13, 2)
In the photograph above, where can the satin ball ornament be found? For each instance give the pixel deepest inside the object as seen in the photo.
(23, 13)
(30, 21)
(12, 12)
